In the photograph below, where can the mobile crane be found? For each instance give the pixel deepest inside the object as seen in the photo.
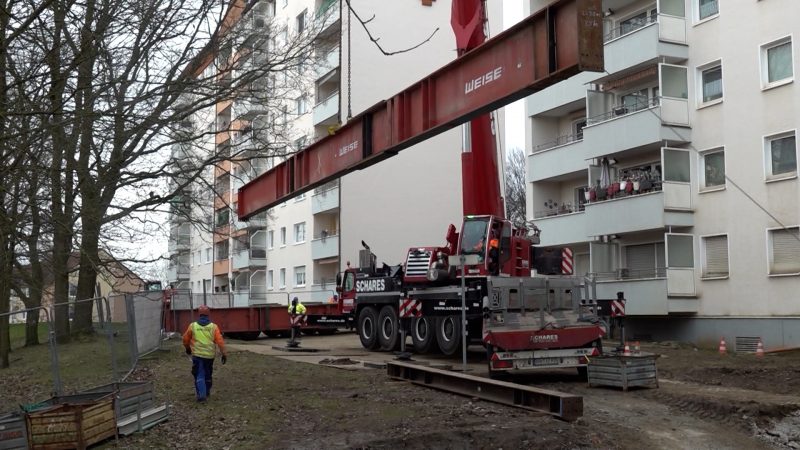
(524, 322)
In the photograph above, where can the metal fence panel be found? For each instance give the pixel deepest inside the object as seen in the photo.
(147, 318)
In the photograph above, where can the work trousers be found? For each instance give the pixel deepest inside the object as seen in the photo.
(202, 370)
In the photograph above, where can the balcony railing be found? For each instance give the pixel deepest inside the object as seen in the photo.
(558, 211)
(631, 274)
(629, 27)
(559, 141)
(630, 189)
(625, 109)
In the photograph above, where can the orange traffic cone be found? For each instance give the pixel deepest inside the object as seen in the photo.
(627, 351)
(722, 348)
(760, 349)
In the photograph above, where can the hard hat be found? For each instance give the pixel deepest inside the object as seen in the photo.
(203, 310)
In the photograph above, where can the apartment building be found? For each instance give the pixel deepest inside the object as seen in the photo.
(295, 248)
(673, 175)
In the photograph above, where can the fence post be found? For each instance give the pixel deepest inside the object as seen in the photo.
(105, 323)
(134, 347)
(51, 333)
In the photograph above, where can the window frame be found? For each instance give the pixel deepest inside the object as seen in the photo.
(270, 239)
(696, 13)
(770, 252)
(704, 256)
(767, 156)
(282, 278)
(699, 83)
(283, 236)
(296, 273)
(270, 280)
(701, 168)
(297, 227)
(763, 59)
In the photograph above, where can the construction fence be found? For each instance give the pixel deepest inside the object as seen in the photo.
(125, 328)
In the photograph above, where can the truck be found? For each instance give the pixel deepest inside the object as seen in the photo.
(524, 322)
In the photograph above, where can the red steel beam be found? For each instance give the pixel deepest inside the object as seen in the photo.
(549, 46)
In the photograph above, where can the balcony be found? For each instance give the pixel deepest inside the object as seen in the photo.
(327, 111)
(241, 298)
(655, 38)
(247, 108)
(179, 243)
(565, 155)
(254, 257)
(563, 229)
(323, 248)
(327, 18)
(327, 62)
(626, 127)
(177, 272)
(325, 201)
(647, 295)
(648, 211)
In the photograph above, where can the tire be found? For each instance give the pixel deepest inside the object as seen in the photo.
(423, 335)
(448, 334)
(368, 328)
(388, 329)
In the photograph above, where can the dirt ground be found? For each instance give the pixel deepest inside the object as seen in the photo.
(264, 398)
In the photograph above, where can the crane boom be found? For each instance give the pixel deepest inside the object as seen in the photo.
(550, 45)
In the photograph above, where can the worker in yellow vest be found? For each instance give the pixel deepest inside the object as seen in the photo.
(200, 340)
(297, 308)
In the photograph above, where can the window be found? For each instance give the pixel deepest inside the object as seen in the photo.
(777, 65)
(780, 155)
(301, 21)
(301, 105)
(711, 82)
(581, 197)
(712, 170)
(208, 255)
(299, 232)
(784, 251)
(644, 261)
(222, 217)
(577, 128)
(715, 256)
(300, 276)
(283, 236)
(707, 9)
(270, 239)
(270, 279)
(282, 278)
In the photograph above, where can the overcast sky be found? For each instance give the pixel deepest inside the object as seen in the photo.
(515, 112)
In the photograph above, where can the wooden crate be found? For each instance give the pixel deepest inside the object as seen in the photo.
(71, 422)
(130, 398)
(624, 371)
(13, 434)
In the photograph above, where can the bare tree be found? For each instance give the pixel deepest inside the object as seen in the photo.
(515, 186)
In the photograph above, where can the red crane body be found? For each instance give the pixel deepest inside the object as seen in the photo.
(421, 295)
(480, 181)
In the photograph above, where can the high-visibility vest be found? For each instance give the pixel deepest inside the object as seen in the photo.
(203, 340)
(300, 309)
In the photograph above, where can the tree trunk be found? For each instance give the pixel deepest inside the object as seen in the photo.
(32, 328)
(87, 276)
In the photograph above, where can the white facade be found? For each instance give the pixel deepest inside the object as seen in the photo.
(699, 102)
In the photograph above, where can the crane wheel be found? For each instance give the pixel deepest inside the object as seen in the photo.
(388, 329)
(368, 328)
(448, 334)
(423, 335)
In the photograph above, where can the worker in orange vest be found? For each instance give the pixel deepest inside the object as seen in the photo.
(200, 341)
(494, 255)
